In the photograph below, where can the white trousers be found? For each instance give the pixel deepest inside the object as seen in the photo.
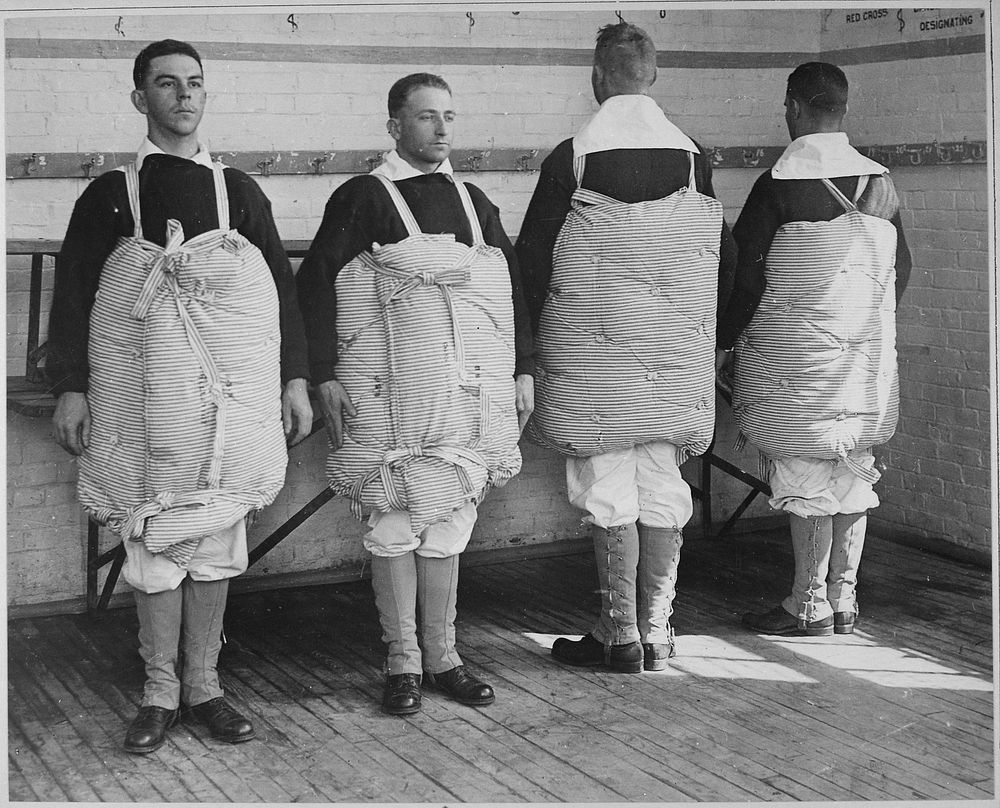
(219, 555)
(391, 534)
(641, 484)
(808, 487)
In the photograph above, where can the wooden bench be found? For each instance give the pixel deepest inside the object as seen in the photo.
(30, 395)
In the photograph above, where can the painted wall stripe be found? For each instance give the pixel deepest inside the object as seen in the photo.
(22, 48)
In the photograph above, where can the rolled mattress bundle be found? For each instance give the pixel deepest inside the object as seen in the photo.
(426, 354)
(816, 368)
(626, 342)
(185, 390)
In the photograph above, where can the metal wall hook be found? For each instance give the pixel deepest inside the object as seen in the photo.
(317, 162)
(474, 161)
(472, 20)
(33, 163)
(291, 22)
(374, 161)
(265, 166)
(521, 163)
(618, 14)
(95, 161)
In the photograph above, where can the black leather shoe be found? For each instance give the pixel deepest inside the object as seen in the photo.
(778, 621)
(148, 729)
(402, 694)
(656, 655)
(223, 721)
(843, 622)
(462, 686)
(589, 652)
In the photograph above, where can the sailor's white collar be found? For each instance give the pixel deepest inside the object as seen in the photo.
(630, 122)
(395, 168)
(201, 157)
(822, 156)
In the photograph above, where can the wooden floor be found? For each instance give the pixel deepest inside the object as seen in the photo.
(901, 710)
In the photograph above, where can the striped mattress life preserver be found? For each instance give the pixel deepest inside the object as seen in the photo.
(626, 342)
(426, 354)
(185, 386)
(816, 367)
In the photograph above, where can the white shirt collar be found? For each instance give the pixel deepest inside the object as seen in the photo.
(395, 168)
(630, 122)
(821, 156)
(201, 157)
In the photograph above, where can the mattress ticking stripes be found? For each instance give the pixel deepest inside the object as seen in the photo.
(816, 368)
(626, 342)
(185, 388)
(426, 354)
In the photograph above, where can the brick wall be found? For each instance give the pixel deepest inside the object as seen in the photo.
(274, 86)
(937, 481)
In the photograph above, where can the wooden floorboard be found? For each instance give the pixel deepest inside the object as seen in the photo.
(900, 710)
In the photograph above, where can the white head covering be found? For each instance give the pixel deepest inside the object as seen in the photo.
(147, 147)
(630, 122)
(821, 156)
(395, 168)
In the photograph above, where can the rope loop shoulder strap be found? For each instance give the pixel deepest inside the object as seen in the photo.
(132, 186)
(848, 204)
(221, 195)
(410, 221)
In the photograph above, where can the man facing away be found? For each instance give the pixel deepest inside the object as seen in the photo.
(174, 325)
(420, 347)
(626, 257)
(823, 264)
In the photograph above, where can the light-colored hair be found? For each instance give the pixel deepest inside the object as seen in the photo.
(626, 55)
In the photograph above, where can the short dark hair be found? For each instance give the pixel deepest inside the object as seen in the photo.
(401, 90)
(165, 47)
(820, 86)
(626, 52)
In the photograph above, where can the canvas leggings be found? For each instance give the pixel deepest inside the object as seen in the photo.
(637, 504)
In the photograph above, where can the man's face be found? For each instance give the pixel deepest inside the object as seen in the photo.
(791, 110)
(423, 128)
(172, 96)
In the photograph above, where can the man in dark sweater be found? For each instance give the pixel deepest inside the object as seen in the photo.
(624, 242)
(815, 344)
(180, 608)
(411, 564)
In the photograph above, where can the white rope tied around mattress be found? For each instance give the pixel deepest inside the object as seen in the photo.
(129, 523)
(394, 457)
(163, 273)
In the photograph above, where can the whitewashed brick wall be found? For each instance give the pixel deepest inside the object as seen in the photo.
(81, 105)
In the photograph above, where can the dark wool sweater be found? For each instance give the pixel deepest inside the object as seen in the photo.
(359, 214)
(628, 175)
(169, 188)
(773, 203)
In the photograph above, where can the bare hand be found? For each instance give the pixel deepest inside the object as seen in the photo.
(334, 402)
(524, 399)
(71, 422)
(723, 370)
(296, 411)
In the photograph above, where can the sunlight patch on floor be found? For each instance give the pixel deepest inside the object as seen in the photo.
(884, 665)
(708, 657)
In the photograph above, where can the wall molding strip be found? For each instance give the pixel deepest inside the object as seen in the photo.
(87, 165)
